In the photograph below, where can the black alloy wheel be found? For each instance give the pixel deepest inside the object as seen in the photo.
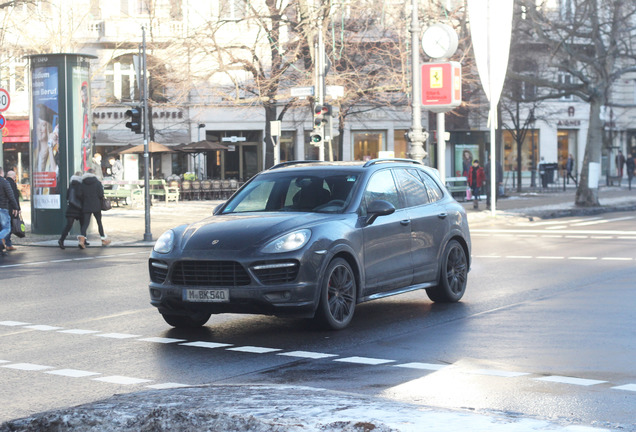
(337, 296)
(453, 275)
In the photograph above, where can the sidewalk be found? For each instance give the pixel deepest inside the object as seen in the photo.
(125, 226)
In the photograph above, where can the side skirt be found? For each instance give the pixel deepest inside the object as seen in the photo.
(398, 291)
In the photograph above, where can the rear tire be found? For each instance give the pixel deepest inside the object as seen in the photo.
(195, 320)
(453, 275)
(337, 296)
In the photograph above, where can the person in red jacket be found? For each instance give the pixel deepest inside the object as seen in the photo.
(476, 179)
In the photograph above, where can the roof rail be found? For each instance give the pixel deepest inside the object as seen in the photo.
(296, 162)
(383, 160)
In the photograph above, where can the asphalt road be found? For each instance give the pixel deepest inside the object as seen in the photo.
(546, 330)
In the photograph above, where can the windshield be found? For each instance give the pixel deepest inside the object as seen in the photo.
(310, 192)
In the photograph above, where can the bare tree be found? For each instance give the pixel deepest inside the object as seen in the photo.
(592, 42)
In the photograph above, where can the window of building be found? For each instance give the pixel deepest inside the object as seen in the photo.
(232, 10)
(567, 10)
(529, 151)
(287, 146)
(566, 80)
(566, 139)
(95, 10)
(400, 144)
(368, 144)
(121, 80)
(176, 9)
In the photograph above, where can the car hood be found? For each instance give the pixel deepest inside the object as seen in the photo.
(240, 231)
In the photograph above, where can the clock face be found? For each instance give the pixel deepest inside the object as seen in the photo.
(439, 41)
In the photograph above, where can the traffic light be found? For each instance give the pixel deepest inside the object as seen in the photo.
(315, 138)
(321, 113)
(134, 113)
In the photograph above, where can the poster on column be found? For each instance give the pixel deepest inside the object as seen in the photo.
(465, 154)
(46, 142)
(81, 138)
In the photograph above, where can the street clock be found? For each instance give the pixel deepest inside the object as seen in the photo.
(439, 41)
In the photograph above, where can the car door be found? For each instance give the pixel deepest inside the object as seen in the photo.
(429, 222)
(387, 241)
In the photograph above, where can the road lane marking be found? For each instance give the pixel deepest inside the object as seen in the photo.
(254, 349)
(70, 260)
(628, 387)
(13, 323)
(117, 335)
(583, 258)
(550, 257)
(26, 366)
(497, 372)
(43, 327)
(616, 259)
(570, 380)
(79, 331)
(72, 373)
(364, 360)
(520, 257)
(162, 340)
(123, 380)
(201, 344)
(422, 366)
(307, 354)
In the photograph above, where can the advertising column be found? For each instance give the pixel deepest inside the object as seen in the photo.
(60, 133)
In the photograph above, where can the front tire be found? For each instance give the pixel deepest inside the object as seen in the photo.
(453, 275)
(195, 320)
(337, 296)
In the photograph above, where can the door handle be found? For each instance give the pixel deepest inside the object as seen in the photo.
(442, 215)
(405, 222)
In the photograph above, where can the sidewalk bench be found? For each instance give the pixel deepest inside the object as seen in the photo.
(159, 188)
(131, 194)
(457, 187)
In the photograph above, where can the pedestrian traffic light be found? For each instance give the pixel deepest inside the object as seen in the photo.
(321, 113)
(134, 113)
(315, 138)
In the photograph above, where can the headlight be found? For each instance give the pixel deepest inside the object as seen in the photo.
(165, 243)
(289, 242)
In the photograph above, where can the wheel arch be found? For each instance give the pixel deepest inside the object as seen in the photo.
(347, 256)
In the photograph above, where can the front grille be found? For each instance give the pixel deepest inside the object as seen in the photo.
(209, 273)
(158, 270)
(274, 273)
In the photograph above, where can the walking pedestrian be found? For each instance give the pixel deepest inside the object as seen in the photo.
(14, 187)
(92, 195)
(620, 164)
(631, 166)
(476, 179)
(7, 201)
(73, 208)
(569, 167)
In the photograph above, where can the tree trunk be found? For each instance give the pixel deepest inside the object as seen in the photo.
(587, 191)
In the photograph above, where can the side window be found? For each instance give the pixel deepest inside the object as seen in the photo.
(412, 187)
(382, 187)
(434, 191)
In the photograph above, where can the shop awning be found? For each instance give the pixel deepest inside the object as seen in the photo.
(16, 131)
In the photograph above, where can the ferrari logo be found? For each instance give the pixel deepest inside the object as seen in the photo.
(436, 77)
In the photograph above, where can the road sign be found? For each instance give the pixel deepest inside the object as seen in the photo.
(301, 91)
(233, 139)
(3, 121)
(4, 100)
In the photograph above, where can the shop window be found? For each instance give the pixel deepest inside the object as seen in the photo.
(287, 146)
(529, 151)
(367, 145)
(400, 144)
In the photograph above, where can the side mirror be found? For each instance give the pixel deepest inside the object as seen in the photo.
(378, 208)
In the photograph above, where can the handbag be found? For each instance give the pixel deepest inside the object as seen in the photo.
(18, 228)
(106, 205)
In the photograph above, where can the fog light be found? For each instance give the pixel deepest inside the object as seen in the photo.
(155, 292)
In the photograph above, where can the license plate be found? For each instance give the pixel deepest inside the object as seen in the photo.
(206, 295)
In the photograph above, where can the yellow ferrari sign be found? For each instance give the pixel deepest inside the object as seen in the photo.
(437, 80)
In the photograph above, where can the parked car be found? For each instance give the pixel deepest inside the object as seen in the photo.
(314, 239)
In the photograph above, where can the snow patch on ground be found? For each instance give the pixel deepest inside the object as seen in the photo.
(267, 409)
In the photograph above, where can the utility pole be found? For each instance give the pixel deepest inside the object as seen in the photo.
(147, 233)
(416, 137)
(320, 86)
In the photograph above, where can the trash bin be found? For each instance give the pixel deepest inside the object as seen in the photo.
(546, 171)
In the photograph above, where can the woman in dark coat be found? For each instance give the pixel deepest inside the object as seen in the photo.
(92, 195)
(74, 207)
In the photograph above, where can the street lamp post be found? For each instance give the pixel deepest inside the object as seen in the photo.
(197, 158)
(416, 136)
